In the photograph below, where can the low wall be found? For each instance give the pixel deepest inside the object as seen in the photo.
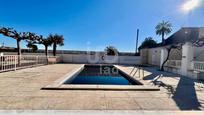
(173, 70)
(91, 59)
(100, 59)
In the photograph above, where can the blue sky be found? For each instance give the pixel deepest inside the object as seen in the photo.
(95, 24)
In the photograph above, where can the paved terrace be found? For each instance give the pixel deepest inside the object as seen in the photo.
(21, 89)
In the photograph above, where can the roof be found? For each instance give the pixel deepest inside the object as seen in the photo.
(185, 34)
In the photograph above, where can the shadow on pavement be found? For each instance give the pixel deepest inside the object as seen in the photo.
(184, 93)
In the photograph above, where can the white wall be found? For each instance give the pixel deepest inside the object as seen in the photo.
(83, 58)
(129, 59)
(198, 53)
(153, 56)
(94, 59)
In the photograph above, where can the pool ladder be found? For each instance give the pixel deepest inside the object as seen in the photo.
(137, 70)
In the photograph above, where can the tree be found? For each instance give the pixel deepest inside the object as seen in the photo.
(110, 50)
(46, 42)
(32, 46)
(18, 36)
(148, 43)
(197, 43)
(163, 28)
(38, 39)
(169, 48)
(56, 40)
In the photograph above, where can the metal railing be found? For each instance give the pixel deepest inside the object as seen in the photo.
(13, 62)
(8, 63)
(198, 66)
(137, 72)
(30, 60)
(174, 63)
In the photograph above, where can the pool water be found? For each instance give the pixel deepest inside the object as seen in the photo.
(104, 75)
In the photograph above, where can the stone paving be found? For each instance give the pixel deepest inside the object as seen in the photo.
(21, 89)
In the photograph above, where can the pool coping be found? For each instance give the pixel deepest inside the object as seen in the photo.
(58, 84)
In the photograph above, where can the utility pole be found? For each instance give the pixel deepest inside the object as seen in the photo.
(136, 49)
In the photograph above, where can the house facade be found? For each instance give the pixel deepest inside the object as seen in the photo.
(187, 59)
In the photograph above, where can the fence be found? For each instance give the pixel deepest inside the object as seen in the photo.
(198, 66)
(174, 63)
(8, 63)
(13, 62)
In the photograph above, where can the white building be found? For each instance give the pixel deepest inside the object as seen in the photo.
(187, 60)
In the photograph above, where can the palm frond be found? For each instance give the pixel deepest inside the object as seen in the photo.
(163, 27)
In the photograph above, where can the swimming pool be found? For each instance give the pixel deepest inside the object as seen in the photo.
(101, 75)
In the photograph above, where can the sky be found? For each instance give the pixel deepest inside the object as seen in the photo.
(95, 24)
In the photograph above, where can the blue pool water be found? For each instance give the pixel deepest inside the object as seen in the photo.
(111, 80)
(104, 75)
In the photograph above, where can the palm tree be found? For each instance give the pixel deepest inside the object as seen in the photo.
(163, 28)
(46, 42)
(56, 40)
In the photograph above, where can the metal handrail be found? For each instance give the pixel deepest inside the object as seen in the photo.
(136, 70)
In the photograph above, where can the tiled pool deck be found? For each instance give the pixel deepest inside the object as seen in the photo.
(21, 89)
